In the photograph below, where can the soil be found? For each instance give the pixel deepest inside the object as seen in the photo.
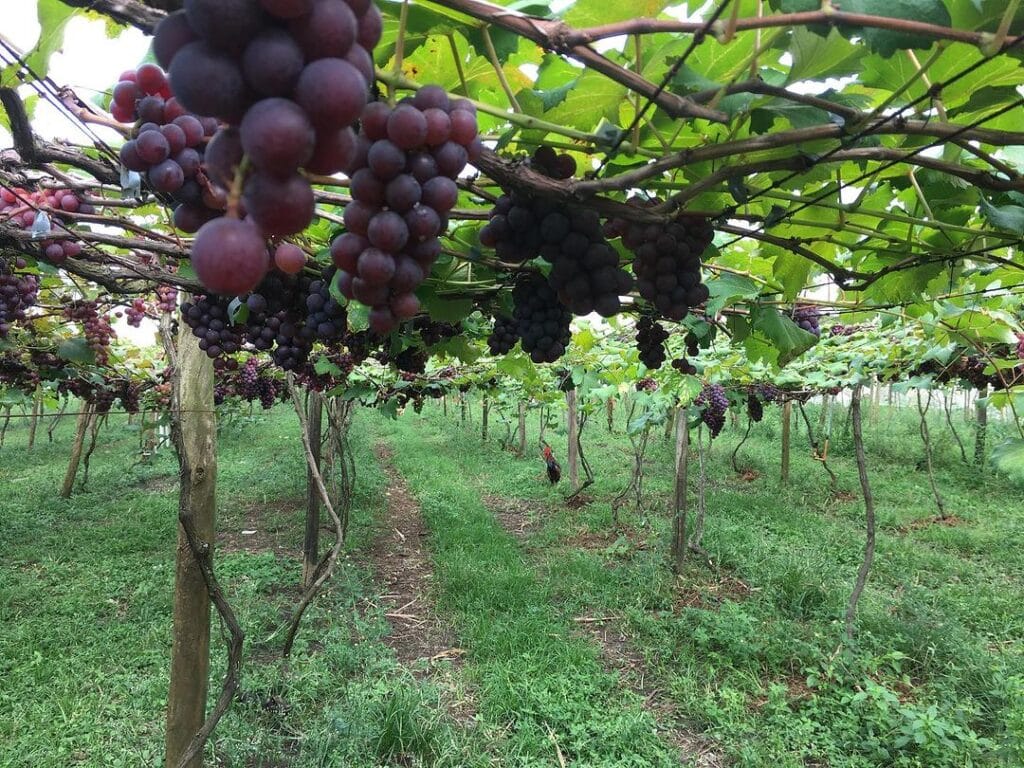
(616, 652)
(255, 528)
(401, 562)
(950, 521)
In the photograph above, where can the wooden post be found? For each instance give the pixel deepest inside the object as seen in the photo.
(787, 417)
(610, 412)
(444, 405)
(462, 408)
(311, 539)
(869, 515)
(521, 448)
(33, 422)
(679, 544)
(485, 408)
(572, 426)
(195, 426)
(81, 427)
(980, 427)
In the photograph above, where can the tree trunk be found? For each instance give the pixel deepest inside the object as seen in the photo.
(542, 418)
(444, 405)
(311, 539)
(787, 418)
(196, 443)
(81, 427)
(980, 428)
(521, 448)
(679, 544)
(485, 409)
(571, 426)
(609, 407)
(33, 421)
(869, 515)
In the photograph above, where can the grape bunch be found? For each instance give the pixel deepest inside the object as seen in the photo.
(327, 318)
(755, 409)
(433, 332)
(402, 190)
(768, 393)
(166, 298)
(650, 341)
(807, 317)
(18, 292)
(683, 364)
(713, 403)
(514, 228)
(168, 145)
(973, 373)
(1020, 346)
(248, 380)
(22, 207)
(504, 335)
(667, 260)
(98, 331)
(552, 164)
(412, 360)
(585, 269)
(844, 330)
(646, 385)
(135, 311)
(290, 78)
(209, 319)
(542, 322)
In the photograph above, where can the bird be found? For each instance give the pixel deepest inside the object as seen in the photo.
(554, 470)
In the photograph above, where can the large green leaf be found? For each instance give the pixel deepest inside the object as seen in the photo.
(53, 17)
(887, 42)
(1008, 457)
(816, 57)
(785, 335)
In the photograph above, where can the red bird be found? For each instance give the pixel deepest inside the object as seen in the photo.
(554, 470)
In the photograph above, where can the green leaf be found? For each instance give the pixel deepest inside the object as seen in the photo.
(887, 42)
(76, 350)
(816, 57)
(591, 13)
(727, 288)
(787, 336)
(1009, 217)
(53, 18)
(358, 316)
(1008, 458)
(444, 310)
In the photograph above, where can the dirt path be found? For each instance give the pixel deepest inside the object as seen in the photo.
(404, 571)
(619, 655)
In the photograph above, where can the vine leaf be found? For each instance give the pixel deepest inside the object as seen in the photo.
(1008, 457)
(53, 17)
(887, 42)
(1009, 217)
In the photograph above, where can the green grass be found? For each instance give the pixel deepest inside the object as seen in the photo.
(747, 649)
(85, 599)
(750, 648)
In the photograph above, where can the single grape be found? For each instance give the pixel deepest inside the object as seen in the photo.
(229, 256)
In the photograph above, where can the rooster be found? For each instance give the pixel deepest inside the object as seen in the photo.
(554, 470)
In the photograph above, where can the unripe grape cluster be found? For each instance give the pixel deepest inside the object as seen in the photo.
(168, 145)
(667, 261)
(166, 298)
(289, 78)
(403, 186)
(542, 322)
(503, 336)
(713, 403)
(650, 342)
(807, 317)
(22, 207)
(18, 292)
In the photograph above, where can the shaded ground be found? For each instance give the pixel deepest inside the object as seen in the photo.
(616, 652)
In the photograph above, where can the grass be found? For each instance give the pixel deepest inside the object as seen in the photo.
(85, 600)
(746, 648)
(750, 647)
